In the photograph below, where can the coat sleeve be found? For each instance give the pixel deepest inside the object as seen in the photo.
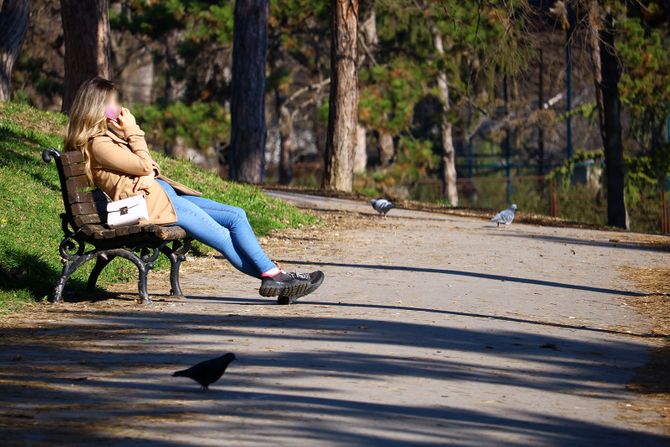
(156, 168)
(135, 137)
(137, 161)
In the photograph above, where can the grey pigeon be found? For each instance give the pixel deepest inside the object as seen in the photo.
(505, 216)
(207, 372)
(382, 206)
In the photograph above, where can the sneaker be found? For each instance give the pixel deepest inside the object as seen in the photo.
(284, 283)
(316, 278)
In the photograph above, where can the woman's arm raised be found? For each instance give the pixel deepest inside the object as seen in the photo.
(110, 156)
(138, 161)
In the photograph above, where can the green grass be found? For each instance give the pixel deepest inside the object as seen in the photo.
(30, 204)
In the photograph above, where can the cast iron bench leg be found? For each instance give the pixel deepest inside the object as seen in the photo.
(100, 263)
(143, 263)
(176, 254)
(104, 257)
(69, 267)
(142, 285)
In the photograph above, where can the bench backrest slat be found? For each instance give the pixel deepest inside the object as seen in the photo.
(71, 157)
(83, 204)
(74, 170)
(77, 183)
(79, 196)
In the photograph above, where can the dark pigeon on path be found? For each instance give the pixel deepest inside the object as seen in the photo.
(382, 206)
(207, 372)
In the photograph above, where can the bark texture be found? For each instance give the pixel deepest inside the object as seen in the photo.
(606, 75)
(448, 162)
(13, 26)
(247, 106)
(593, 33)
(285, 143)
(361, 150)
(386, 148)
(610, 130)
(87, 44)
(174, 89)
(343, 112)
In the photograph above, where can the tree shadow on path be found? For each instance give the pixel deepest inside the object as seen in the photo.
(96, 376)
(489, 276)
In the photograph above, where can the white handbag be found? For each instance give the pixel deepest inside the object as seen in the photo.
(127, 211)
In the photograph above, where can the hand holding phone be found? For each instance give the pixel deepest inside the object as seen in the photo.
(120, 119)
(112, 113)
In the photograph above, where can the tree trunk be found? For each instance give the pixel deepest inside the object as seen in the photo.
(285, 142)
(369, 28)
(13, 26)
(247, 105)
(606, 74)
(343, 112)
(593, 33)
(448, 162)
(540, 128)
(174, 88)
(617, 214)
(87, 46)
(386, 148)
(507, 142)
(361, 151)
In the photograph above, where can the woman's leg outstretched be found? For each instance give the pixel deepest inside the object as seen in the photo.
(200, 225)
(235, 220)
(242, 250)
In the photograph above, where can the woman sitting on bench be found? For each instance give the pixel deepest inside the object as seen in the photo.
(118, 162)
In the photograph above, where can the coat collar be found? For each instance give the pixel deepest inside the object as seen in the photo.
(115, 137)
(112, 135)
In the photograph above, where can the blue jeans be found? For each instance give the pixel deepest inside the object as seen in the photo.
(222, 227)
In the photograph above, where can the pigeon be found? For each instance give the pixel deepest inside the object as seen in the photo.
(207, 372)
(382, 206)
(505, 216)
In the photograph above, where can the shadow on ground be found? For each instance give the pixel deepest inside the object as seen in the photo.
(109, 380)
(615, 243)
(478, 275)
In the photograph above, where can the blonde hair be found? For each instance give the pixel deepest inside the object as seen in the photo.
(87, 118)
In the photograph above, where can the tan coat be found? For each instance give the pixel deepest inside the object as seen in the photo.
(116, 161)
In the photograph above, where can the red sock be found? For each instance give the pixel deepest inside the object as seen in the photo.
(272, 272)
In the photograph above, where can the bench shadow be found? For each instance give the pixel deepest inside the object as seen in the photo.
(40, 278)
(34, 274)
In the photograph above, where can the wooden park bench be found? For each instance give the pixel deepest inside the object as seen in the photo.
(83, 223)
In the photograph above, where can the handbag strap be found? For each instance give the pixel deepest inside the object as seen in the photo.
(109, 199)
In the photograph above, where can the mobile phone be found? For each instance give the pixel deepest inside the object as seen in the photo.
(112, 113)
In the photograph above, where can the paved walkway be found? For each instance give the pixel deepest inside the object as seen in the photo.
(429, 330)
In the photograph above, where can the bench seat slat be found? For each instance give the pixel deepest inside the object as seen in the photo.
(93, 230)
(163, 233)
(169, 233)
(83, 208)
(85, 219)
(127, 229)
